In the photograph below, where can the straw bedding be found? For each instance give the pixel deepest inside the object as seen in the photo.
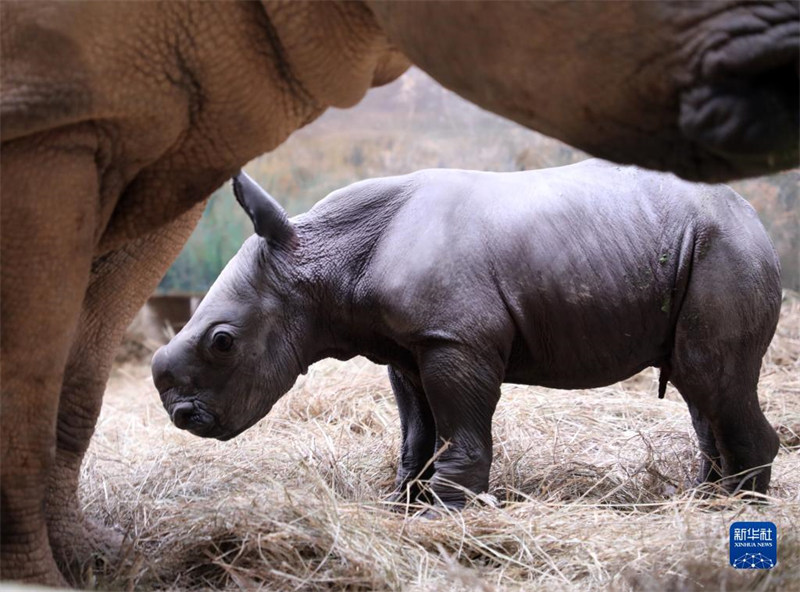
(589, 490)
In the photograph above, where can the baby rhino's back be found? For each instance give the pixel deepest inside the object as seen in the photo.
(574, 273)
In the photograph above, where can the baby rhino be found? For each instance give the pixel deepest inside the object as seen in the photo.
(459, 281)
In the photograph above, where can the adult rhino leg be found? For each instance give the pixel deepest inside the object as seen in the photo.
(462, 389)
(120, 283)
(419, 436)
(50, 198)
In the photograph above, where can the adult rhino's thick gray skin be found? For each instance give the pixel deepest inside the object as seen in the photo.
(572, 277)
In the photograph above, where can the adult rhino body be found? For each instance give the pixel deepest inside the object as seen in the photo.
(572, 277)
(118, 119)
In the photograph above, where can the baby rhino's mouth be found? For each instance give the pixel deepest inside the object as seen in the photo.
(190, 415)
(188, 412)
(187, 415)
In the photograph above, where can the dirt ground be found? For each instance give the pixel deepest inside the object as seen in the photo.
(592, 491)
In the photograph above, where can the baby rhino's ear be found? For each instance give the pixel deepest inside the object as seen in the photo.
(269, 218)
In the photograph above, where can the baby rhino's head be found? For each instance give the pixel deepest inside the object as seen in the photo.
(236, 356)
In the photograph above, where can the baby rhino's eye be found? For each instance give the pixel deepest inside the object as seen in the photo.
(222, 341)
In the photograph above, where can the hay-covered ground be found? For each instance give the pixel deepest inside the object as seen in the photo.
(592, 489)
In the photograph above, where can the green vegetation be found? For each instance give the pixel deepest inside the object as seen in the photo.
(219, 235)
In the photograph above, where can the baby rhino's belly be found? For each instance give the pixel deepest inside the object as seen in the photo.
(588, 347)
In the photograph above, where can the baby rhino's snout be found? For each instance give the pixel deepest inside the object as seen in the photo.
(177, 396)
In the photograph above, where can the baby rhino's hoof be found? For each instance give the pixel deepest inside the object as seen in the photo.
(433, 513)
(416, 492)
(487, 499)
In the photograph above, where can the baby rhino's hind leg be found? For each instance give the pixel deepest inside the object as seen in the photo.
(710, 461)
(730, 425)
(715, 368)
(725, 323)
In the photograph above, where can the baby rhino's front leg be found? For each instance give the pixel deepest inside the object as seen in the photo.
(462, 387)
(419, 435)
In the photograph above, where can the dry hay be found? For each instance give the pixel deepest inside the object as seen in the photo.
(592, 487)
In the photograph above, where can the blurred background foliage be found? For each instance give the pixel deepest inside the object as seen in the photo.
(412, 124)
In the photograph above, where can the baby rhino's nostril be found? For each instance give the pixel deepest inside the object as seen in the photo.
(182, 415)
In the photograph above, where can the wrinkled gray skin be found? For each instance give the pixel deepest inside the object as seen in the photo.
(572, 277)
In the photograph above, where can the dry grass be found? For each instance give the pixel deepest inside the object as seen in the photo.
(592, 490)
